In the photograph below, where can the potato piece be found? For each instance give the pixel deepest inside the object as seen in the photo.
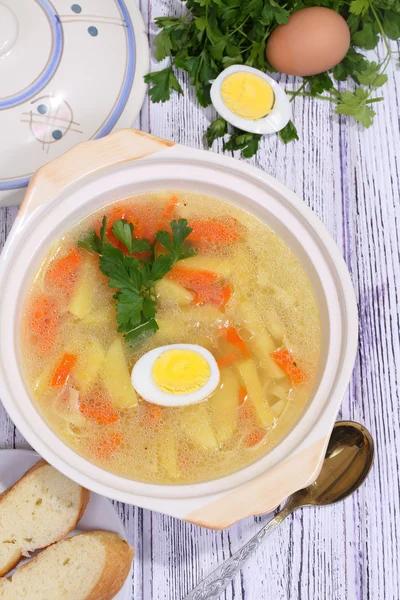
(250, 318)
(83, 299)
(71, 405)
(100, 317)
(169, 329)
(202, 340)
(278, 407)
(248, 372)
(169, 292)
(275, 326)
(277, 391)
(205, 315)
(168, 454)
(224, 403)
(290, 412)
(41, 384)
(223, 268)
(89, 365)
(283, 297)
(197, 426)
(261, 344)
(117, 378)
(263, 278)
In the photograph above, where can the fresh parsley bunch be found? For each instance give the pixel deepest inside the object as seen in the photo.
(215, 34)
(133, 278)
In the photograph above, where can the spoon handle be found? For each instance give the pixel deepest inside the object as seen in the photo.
(214, 584)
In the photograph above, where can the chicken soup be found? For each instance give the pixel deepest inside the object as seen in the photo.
(171, 338)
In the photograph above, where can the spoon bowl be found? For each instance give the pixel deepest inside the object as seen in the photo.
(347, 462)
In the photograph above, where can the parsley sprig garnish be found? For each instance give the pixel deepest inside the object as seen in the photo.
(214, 34)
(134, 278)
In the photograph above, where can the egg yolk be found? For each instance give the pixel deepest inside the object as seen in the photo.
(180, 371)
(247, 95)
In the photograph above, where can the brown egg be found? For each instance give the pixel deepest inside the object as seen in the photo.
(314, 40)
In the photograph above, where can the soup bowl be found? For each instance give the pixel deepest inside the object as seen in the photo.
(93, 175)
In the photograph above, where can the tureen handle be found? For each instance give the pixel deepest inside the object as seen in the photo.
(87, 158)
(265, 492)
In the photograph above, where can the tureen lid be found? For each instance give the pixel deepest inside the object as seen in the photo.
(69, 72)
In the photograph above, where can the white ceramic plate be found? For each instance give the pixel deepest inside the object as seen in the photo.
(99, 514)
(75, 76)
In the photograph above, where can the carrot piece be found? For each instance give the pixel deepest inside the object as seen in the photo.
(216, 295)
(63, 371)
(242, 395)
(247, 411)
(102, 411)
(168, 212)
(226, 293)
(194, 279)
(43, 319)
(144, 217)
(231, 335)
(63, 271)
(154, 413)
(213, 232)
(284, 359)
(204, 284)
(253, 438)
(106, 448)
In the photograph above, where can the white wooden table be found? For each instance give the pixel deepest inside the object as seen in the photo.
(350, 177)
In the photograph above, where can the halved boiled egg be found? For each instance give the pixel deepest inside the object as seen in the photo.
(176, 375)
(250, 100)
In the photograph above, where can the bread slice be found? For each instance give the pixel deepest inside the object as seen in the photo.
(40, 509)
(87, 566)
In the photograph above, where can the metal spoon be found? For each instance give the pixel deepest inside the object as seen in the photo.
(348, 459)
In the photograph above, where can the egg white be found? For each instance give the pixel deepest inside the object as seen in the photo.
(276, 120)
(143, 383)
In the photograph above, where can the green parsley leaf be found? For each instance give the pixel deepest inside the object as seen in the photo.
(129, 307)
(370, 75)
(174, 243)
(288, 133)
(121, 270)
(91, 242)
(161, 266)
(273, 12)
(140, 245)
(134, 279)
(352, 62)
(149, 308)
(162, 44)
(217, 129)
(366, 37)
(246, 142)
(162, 83)
(137, 334)
(355, 104)
(391, 24)
(319, 83)
(123, 231)
(180, 231)
(359, 7)
(103, 229)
